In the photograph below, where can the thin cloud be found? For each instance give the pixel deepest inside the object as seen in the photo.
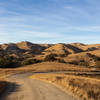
(68, 7)
(38, 34)
(54, 22)
(87, 28)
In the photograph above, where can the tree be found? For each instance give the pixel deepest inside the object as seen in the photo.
(8, 62)
(50, 57)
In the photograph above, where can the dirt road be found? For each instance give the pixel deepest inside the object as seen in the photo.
(24, 88)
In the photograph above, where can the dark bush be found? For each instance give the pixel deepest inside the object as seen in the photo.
(92, 49)
(74, 62)
(97, 64)
(92, 94)
(62, 55)
(31, 61)
(81, 63)
(50, 57)
(59, 77)
(84, 63)
(8, 62)
(93, 56)
(61, 60)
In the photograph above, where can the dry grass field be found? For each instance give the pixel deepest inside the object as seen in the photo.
(45, 67)
(84, 87)
(54, 66)
(40, 67)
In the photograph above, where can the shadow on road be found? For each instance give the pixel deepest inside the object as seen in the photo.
(11, 87)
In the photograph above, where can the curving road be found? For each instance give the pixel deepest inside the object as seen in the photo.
(24, 88)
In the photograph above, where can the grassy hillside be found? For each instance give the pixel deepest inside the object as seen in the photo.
(26, 52)
(62, 49)
(87, 47)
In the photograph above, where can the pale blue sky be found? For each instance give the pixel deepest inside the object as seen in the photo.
(50, 21)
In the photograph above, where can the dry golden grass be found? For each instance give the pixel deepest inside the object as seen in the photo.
(44, 67)
(40, 67)
(96, 52)
(62, 49)
(86, 88)
(84, 46)
(84, 56)
(58, 48)
(54, 66)
(92, 45)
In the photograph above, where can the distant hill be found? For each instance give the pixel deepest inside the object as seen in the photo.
(28, 49)
(33, 48)
(73, 52)
(86, 47)
(63, 49)
(21, 49)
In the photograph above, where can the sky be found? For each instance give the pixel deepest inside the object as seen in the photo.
(50, 21)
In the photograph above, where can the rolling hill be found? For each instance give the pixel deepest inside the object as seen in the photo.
(63, 49)
(74, 52)
(26, 48)
(87, 47)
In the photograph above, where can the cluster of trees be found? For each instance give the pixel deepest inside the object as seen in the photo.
(50, 57)
(8, 62)
(81, 63)
(12, 62)
(30, 61)
(53, 57)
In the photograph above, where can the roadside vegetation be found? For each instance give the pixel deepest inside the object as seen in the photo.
(83, 87)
